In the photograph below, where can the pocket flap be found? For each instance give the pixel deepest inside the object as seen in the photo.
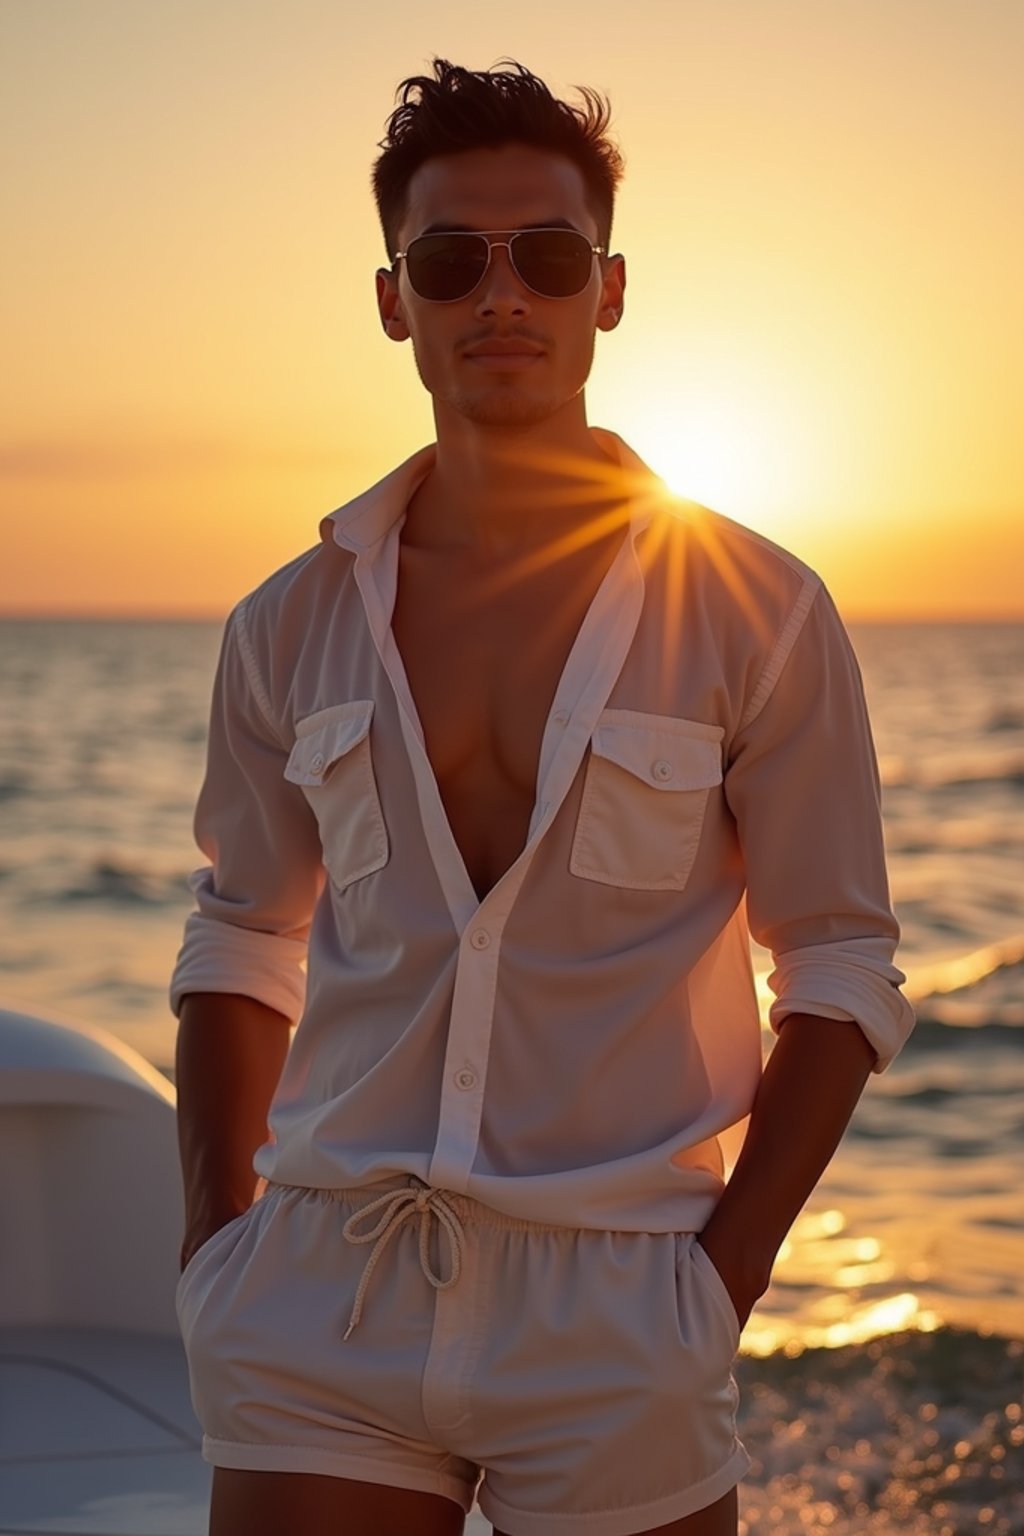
(325, 737)
(663, 752)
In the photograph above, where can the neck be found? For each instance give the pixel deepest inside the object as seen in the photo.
(505, 489)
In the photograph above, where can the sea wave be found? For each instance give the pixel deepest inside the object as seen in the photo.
(1005, 720)
(916, 1432)
(982, 990)
(124, 884)
(949, 1026)
(940, 771)
(14, 786)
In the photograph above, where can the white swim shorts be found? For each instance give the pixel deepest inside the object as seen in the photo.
(570, 1379)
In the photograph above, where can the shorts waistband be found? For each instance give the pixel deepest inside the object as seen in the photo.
(472, 1213)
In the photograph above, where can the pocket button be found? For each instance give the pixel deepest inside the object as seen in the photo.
(662, 770)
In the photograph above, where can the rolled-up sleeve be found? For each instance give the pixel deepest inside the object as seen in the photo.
(802, 783)
(255, 897)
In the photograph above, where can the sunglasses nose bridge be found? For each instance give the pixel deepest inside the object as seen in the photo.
(507, 260)
(498, 272)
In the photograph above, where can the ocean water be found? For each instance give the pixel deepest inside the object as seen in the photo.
(913, 1245)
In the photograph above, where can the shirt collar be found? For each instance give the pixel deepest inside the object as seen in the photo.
(365, 521)
(361, 523)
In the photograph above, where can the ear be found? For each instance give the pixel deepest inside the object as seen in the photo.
(613, 292)
(389, 305)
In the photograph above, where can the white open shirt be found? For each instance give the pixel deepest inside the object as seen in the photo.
(582, 1046)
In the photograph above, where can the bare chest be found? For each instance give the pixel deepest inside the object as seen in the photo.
(483, 653)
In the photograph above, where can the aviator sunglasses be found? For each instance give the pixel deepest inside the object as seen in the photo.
(555, 263)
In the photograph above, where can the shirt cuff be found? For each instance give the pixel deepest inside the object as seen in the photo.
(853, 979)
(219, 957)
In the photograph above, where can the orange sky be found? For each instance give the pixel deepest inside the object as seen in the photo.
(824, 334)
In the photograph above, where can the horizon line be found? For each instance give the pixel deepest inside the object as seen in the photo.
(220, 616)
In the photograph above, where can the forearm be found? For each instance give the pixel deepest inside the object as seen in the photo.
(230, 1051)
(812, 1081)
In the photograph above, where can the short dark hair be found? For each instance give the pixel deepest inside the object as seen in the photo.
(462, 109)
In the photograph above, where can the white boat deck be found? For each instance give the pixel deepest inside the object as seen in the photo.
(97, 1435)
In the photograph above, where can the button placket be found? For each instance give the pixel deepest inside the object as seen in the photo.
(469, 1037)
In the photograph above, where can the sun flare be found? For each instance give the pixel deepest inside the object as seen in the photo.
(747, 442)
(720, 453)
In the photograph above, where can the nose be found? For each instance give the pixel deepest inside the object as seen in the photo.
(502, 291)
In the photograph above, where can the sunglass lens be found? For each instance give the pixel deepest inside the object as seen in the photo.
(553, 262)
(445, 267)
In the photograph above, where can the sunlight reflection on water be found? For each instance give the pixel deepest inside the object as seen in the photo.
(818, 1256)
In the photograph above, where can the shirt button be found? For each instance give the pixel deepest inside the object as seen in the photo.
(464, 1078)
(480, 939)
(561, 717)
(662, 770)
(317, 763)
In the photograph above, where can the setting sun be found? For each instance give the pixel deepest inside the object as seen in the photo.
(735, 451)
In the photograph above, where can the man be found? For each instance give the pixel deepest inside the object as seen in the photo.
(504, 753)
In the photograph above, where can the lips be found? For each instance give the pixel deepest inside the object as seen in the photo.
(497, 346)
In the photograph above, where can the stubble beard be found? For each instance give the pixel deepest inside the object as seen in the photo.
(504, 408)
(512, 408)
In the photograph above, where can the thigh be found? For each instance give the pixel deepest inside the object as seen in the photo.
(719, 1519)
(277, 1503)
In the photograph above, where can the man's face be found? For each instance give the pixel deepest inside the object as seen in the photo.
(513, 187)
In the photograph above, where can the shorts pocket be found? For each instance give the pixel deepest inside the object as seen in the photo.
(332, 763)
(205, 1252)
(716, 1287)
(645, 793)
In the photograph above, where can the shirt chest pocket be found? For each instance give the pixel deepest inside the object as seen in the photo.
(645, 792)
(332, 763)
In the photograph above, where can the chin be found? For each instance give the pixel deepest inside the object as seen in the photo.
(506, 408)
